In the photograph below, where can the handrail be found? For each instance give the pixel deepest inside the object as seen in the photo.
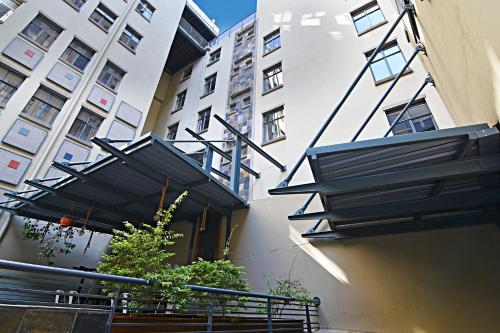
(19, 266)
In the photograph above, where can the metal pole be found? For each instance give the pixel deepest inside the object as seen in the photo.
(208, 159)
(308, 319)
(418, 48)
(427, 80)
(332, 115)
(210, 315)
(269, 317)
(114, 301)
(234, 183)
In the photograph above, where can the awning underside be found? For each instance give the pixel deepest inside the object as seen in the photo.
(128, 185)
(405, 179)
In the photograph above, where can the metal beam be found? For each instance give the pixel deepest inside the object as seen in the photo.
(76, 198)
(395, 179)
(432, 205)
(250, 143)
(221, 152)
(234, 182)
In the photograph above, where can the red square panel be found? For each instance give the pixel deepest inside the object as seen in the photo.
(13, 164)
(103, 101)
(29, 53)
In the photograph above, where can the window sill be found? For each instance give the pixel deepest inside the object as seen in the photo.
(212, 62)
(371, 28)
(281, 138)
(392, 77)
(72, 6)
(205, 95)
(97, 25)
(71, 66)
(269, 52)
(185, 79)
(176, 110)
(202, 132)
(80, 141)
(271, 90)
(114, 92)
(127, 47)
(40, 47)
(35, 120)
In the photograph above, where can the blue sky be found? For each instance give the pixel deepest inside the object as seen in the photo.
(227, 12)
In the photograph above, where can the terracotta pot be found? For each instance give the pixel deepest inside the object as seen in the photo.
(66, 221)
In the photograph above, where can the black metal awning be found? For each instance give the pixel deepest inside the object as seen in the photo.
(127, 185)
(403, 183)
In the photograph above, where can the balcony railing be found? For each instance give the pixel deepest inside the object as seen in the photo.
(136, 303)
(191, 31)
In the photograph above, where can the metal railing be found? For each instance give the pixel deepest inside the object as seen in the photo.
(137, 303)
(191, 31)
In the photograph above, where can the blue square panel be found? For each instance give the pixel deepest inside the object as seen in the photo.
(68, 156)
(24, 131)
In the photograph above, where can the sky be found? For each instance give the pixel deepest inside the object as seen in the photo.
(227, 12)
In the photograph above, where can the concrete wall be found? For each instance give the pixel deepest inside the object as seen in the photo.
(463, 49)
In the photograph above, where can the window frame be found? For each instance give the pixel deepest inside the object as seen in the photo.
(209, 84)
(267, 78)
(265, 133)
(72, 5)
(133, 33)
(37, 119)
(78, 137)
(271, 38)
(79, 54)
(217, 53)
(181, 96)
(410, 120)
(148, 6)
(8, 84)
(384, 57)
(50, 23)
(11, 10)
(366, 10)
(117, 69)
(203, 121)
(188, 71)
(170, 131)
(105, 13)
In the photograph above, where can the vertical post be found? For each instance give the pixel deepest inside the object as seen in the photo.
(210, 315)
(208, 159)
(308, 319)
(229, 217)
(269, 317)
(234, 183)
(192, 241)
(114, 301)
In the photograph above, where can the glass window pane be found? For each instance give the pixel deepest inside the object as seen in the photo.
(380, 70)
(362, 24)
(376, 17)
(396, 62)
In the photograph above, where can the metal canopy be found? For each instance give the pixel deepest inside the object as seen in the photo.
(127, 185)
(407, 182)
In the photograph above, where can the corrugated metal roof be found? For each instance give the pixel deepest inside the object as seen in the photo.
(130, 189)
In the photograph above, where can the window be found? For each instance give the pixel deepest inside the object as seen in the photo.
(7, 7)
(272, 41)
(214, 57)
(77, 4)
(181, 98)
(388, 63)
(172, 131)
(368, 17)
(85, 126)
(44, 106)
(111, 76)
(42, 31)
(187, 73)
(103, 17)
(418, 118)
(246, 102)
(203, 120)
(273, 78)
(209, 84)
(145, 9)
(273, 125)
(77, 55)
(9, 82)
(130, 38)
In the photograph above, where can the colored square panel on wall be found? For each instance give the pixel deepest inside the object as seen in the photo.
(101, 98)
(54, 173)
(64, 76)
(23, 52)
(12, 166)
(129, 114)
(25, 136)
(72, 152)
(120, 131)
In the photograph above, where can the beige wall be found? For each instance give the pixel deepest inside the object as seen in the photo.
(463, 48)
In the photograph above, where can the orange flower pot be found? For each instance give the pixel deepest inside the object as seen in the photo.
(66, 221)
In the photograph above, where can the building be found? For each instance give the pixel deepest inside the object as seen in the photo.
(275, 78)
